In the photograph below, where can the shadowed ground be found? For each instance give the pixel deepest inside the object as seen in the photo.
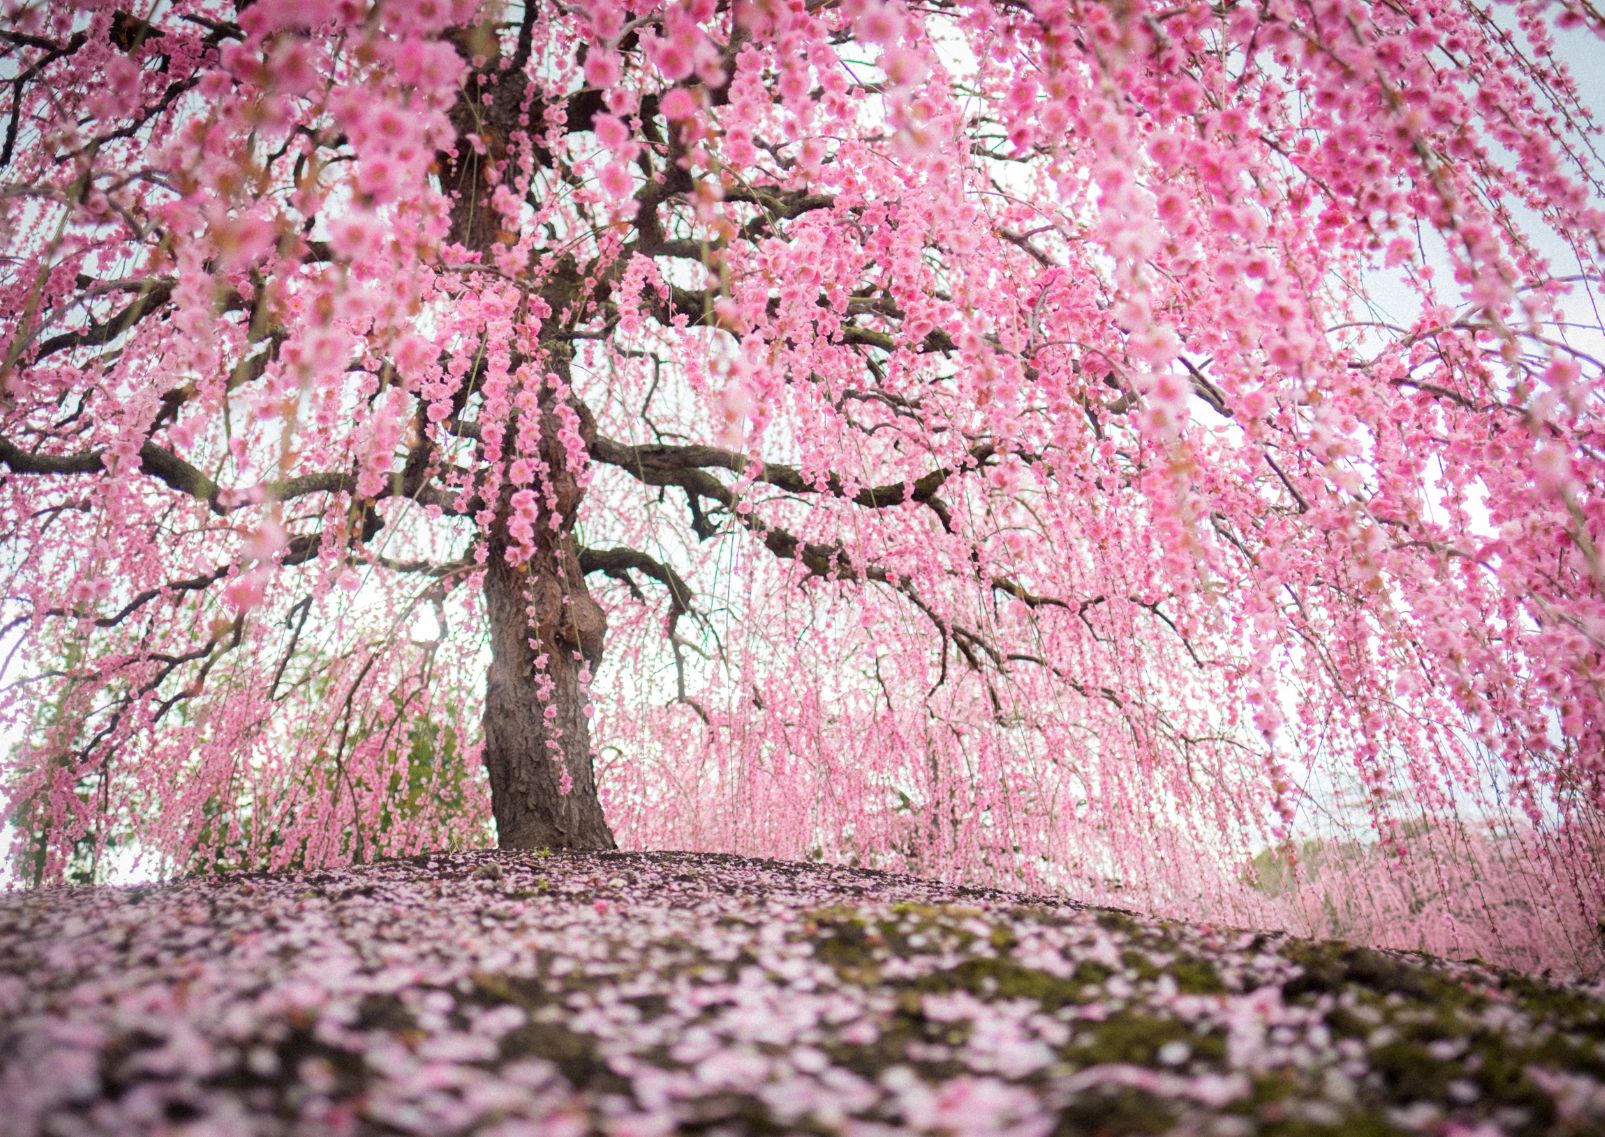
(626, 993)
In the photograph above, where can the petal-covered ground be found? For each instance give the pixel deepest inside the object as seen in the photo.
(505, 994)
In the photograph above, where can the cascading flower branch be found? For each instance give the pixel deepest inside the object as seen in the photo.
(1083, 443)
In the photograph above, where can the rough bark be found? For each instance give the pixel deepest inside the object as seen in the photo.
(546, 629)
(543, 787)
(546, 634)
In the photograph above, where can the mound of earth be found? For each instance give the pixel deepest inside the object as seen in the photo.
(617, 993)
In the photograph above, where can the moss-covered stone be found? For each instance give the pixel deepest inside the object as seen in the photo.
(1410, 1073)
(1330, 965)
(1133, 1036)
(1192, 975)
(1120, 1112)
(1119, 920)
(1350, 1125)
(1565, 1006)
(1196, 976)
(1006, 979)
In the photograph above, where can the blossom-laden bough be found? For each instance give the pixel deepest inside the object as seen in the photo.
(1060, 441)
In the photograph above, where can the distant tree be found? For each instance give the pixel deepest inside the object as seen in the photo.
(934, 430)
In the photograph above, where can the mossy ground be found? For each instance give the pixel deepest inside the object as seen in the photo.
(711, 995)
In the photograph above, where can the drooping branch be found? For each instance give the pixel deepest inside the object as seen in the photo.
(299, 550)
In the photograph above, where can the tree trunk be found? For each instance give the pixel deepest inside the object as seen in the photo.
(537, 738)
(546, 633)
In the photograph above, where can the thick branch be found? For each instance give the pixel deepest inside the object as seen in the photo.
(623, 560)
(686, 466)
(178, 474)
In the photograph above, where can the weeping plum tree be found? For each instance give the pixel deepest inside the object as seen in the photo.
(965, 431)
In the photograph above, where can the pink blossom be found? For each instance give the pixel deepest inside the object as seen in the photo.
(678, 104)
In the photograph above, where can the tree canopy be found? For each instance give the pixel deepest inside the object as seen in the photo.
(1054, 442)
